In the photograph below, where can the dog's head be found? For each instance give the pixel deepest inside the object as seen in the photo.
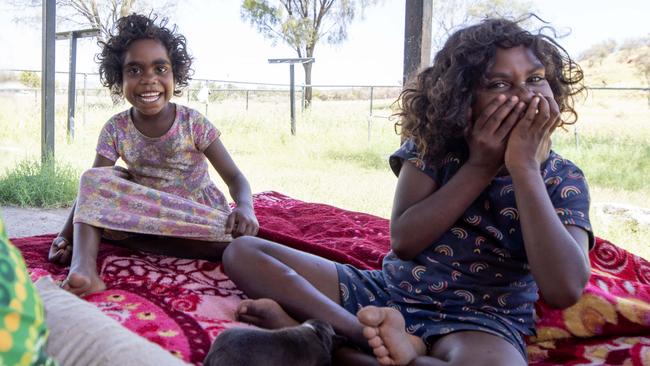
(324, 332)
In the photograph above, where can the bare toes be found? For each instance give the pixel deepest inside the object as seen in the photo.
(375, 342)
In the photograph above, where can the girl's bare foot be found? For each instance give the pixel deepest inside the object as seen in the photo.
(264, 313)
(386, 333)
(60, 251)
(82, 284)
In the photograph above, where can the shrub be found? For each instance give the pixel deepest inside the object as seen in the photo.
(35, 184)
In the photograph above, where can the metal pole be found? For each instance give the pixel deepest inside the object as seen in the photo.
(371, 94)
(292, 99)
(47, 80)
(72, 86)
(302, 101)
(85, 87)
(246, 99)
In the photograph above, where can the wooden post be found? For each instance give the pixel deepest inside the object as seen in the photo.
(292, 99)
(292, 86)
(72, 75)
(417, 37)
(72, 84)
(48, 94)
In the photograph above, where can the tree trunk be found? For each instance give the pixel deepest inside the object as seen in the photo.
(307, 67)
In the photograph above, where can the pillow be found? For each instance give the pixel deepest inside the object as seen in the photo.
(80, 334)
(23, 331)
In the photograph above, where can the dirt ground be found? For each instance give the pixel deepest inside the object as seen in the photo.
(20, 222)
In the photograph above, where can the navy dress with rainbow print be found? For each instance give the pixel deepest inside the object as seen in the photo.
(476, 276)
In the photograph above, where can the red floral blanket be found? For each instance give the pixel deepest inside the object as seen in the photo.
(183, 304)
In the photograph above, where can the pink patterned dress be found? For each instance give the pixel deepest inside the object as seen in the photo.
(165, 190)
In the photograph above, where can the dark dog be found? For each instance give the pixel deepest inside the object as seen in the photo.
(308, 344)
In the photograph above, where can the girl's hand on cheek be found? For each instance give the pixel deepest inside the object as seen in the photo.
(242, 221)
(487, 135)
(530, 141)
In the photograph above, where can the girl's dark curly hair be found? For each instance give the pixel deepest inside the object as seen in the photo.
(434, 109)
(132, 28)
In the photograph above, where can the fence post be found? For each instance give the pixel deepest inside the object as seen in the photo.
(84, 109)
(372, 89)
(247, 99)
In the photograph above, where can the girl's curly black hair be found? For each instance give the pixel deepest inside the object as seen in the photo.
(132, 28)
(434, 109)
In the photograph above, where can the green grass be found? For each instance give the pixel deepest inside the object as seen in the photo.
(331, 159)
(34, 184)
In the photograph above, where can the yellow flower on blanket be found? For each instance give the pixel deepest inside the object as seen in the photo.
(536, 353)
(168, 333)
(598, 352)
(549, 333)
(589, 316)
(147, 315)
(635, 310)
(115, 298)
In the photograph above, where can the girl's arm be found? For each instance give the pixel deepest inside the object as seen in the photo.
(422, 212)
(66, 231)
(242, 220)
(557, 254)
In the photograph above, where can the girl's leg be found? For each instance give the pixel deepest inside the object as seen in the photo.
(175, 247)
(386, 334)
(304, 285)
(83, 277)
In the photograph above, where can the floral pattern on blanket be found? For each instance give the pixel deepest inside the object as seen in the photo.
(182, 305)
(179, 304)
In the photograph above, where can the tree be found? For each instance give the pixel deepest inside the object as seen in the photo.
(449, 16)
(301, 24)
(30, 79)
(83, 14)
(598, 52)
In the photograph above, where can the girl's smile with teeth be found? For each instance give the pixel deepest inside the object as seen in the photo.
(150, 97)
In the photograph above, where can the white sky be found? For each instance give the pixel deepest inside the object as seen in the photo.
(226, 48)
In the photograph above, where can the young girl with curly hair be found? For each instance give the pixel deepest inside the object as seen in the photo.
(485, 216)
(164, 201)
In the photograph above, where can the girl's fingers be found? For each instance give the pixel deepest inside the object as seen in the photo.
(507, 125)
(230, 223)
(543, 115)
(499, 116)
(555, 113)
(486, 113)
(529, 116)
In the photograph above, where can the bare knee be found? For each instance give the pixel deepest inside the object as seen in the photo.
(240, 252)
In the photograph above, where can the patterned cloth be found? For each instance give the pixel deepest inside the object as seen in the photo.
(23, 332)
(184, 304)
(476, 276)
(166, 189)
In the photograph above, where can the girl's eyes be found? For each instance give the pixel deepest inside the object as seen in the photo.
(535, 79)
(132, 71)
(497, 85)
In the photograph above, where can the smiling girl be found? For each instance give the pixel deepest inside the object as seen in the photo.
(164, 201)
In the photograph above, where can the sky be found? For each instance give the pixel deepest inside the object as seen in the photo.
(225, 47)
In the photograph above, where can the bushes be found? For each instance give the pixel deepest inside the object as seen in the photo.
(33, 184)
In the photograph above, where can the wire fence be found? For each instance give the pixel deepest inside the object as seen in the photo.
(90, 95)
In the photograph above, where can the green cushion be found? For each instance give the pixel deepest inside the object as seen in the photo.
(23, 331)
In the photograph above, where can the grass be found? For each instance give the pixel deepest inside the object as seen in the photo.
(34, 184)
(331, 159)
